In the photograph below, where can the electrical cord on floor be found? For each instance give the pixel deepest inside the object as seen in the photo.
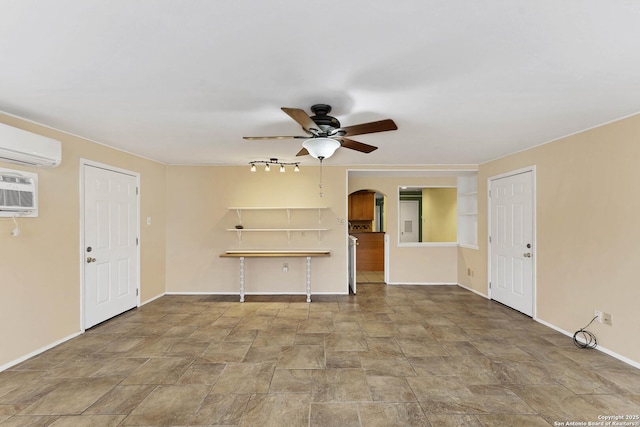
(588, 337)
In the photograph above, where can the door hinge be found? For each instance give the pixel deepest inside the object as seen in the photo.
(489, 285)
(137, 191)
(489, 239)
(137, 291)
(489, 193)
(137, 241)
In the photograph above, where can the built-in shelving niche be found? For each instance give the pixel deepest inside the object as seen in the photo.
(468, 211)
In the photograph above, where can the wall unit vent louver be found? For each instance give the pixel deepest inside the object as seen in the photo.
(18, 193)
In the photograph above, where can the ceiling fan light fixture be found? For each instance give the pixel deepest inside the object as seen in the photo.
(297, 168)
(282, 168)
(253, 167)
(321, 148)
(267, 168)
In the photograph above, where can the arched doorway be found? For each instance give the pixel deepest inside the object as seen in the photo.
(367, 223)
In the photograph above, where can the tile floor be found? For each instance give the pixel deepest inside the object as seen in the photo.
(369, 277)
(390, 356)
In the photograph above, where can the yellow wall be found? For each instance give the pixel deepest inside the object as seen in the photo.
(198, 198)
(439, 215)
(40, 269)
(588, 231)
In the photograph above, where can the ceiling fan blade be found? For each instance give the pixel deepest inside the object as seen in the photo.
(358, 146)
(303, 152)
(303, 119)
(275, 137)
(371, 127)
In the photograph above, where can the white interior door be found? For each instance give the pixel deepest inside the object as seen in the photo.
(512, 241)
(110, 244)
(409, 221)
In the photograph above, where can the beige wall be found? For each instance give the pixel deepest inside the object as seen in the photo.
(588, 231)
(472, 269)
(198, 201)
(40, 269)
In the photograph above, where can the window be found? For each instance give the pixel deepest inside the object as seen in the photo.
(427, 215)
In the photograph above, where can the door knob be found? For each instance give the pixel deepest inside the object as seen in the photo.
(89, 260)
(527, 255)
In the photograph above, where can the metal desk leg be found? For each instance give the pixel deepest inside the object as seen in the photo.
(308, 279)
(241, 279)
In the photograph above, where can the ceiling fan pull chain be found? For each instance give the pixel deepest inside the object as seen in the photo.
(320, 185)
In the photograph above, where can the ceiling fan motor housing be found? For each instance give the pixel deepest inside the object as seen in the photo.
(323, 120)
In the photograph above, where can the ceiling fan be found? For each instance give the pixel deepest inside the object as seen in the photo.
(325, 134)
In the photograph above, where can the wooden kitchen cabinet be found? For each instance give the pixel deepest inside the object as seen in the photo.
(361, 206)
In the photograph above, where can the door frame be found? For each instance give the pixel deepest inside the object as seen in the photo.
(86, 162)
(534, 249)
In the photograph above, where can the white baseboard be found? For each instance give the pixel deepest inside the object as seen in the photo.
(569, 334)
(599, 347)
(256, 293)
(56, 343)
(202, 293)
(422, 283)
(330, 293)
(151, 299)
(38, 351)
(474, 291)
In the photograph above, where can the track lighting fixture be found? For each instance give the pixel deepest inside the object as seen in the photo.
(273, 161)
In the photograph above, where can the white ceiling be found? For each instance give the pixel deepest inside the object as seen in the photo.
(181, 82)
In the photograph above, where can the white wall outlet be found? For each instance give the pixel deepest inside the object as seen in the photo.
(606, 318)
(285, 267)
(598, 315)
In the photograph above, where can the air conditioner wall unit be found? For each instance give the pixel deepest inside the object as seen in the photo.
(18, 193)
(27, 148)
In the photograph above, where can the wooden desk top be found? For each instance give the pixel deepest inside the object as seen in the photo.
(271, 254)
